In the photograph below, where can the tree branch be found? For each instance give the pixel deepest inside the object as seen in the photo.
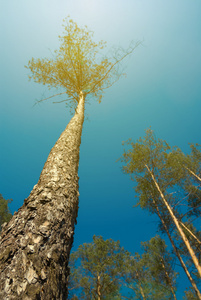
(38, 101)
(117, 61)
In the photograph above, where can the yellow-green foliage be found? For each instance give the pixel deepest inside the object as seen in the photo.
(77, 65)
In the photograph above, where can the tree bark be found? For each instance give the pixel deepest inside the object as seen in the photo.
(176, 222)
(36, 243)
(98, 287)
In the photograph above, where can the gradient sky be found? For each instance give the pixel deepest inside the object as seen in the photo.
(162, 90)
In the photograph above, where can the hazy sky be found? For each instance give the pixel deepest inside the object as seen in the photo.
(162, 90)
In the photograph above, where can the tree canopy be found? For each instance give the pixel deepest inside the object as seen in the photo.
(95, 269)
(168, 184)
(160, 264)
(79, 65)
(104, 270)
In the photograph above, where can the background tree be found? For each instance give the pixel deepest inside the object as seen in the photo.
(188, 169)
(96, 270)
(150, 275)
(135, 277)
(190, 295)
(104, 270)
(160, 187)
(5, 214)
(41, 233)
(160, 264)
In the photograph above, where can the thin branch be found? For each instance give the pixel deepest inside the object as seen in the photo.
(181, 200)
(49, 97)
(71, 80)
(55, 102)
(197, 206)
(117, 61)
(77, 83)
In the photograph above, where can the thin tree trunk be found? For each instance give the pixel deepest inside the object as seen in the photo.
(140, 286)
(168, 279)
(98, 287)
(142, 292)
(36, 243)
(188, 246)
(133, 289)
(193, 235)
(193, 173)
(177, 252)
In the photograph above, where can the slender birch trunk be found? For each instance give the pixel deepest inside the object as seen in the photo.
(36, 243)
(177, 253)
(188, 246)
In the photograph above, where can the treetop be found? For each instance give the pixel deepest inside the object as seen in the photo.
(79, 65)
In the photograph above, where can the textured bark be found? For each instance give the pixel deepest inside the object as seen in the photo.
(36, 243)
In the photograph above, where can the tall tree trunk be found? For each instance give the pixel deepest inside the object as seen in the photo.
(176, 222)
(177, 252)
(36, 243)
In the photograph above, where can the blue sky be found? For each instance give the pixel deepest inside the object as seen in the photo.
(162, 90)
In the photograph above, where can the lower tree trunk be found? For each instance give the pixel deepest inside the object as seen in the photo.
(36, 243)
